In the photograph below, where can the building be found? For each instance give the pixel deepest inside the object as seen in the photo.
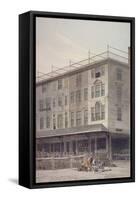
(86, 108)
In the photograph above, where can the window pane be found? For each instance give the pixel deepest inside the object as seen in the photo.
(92, 114)
(66, 100)
(41, 105)
(119, 114)
(54, 122)
(60, 84)
(102, 90)
(102, 111)
(60, 121)
(72, 119)
(101, 143)
(72, 97)
(60, 101)
(78, 80)
(97, 111)
(66, 120)
(85, 94)
(86, 117)
(41, 122)
(78, 118)
(97, 91)
(119, 93)
(48, 103)
(48, 122)
(102, 70)
(78, 96)
(97, 74)
(92, 92)
(119, 74)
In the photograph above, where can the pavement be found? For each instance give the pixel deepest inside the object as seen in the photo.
(122, 169)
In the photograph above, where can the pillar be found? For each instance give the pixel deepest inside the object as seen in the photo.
(95, 146)
(109, 146)
(89, 144)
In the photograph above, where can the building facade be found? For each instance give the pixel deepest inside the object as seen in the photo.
(85, 110)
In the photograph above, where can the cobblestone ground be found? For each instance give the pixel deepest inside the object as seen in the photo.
(122, 169)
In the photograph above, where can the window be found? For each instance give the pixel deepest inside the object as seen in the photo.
(102, 71)
(119, 92)
(60, 84)
(78, 79)
(78, 96)
(67, 147)
(92, 92)
(66, 83)
(60, 121)
(57, 147)
(72, 119)
(101, 143)
(66, 100)
(92, 114)
(97, 74)
(46, 147)
(41, 122)
(48, 103)
(119, 74)
(102, 89)
(83, 145)
(54, 102)
(48, 122)
(66, 120)
(72, 97)
(43, 88)
(41, 104)
(54, 86)
(97, 111)
(85, 94)
(97, 90)
(78, 118)
(85, 117)
(92, 73)
(54, 122)
(102, 112)
(119, 114)
(60, 101)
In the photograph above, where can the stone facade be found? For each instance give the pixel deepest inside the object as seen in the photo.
(95, 94)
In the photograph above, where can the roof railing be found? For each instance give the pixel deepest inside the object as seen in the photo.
(111, 52)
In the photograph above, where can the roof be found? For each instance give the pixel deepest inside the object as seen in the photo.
(83, 65)
(71, 131)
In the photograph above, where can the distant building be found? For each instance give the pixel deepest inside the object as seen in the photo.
(86, 109)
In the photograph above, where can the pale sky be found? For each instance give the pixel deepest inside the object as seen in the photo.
(61, 40)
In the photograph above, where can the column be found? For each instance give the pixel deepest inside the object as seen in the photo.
(109, 146)
(89, 144)
(95, 146)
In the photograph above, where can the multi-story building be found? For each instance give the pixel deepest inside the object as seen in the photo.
(86, 109)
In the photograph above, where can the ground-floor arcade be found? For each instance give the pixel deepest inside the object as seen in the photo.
(104, 143)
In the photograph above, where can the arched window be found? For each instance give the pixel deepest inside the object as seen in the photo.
(97, 111)
(99, 89)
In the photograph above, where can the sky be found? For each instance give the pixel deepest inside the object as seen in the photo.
(61, 40)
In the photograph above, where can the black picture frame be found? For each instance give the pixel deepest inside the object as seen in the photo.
(27, 94)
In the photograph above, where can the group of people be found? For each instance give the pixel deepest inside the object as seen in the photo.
(91, 163)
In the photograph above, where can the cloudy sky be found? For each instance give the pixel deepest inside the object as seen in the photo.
(61, 40)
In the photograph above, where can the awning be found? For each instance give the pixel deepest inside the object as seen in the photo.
(71, 131)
